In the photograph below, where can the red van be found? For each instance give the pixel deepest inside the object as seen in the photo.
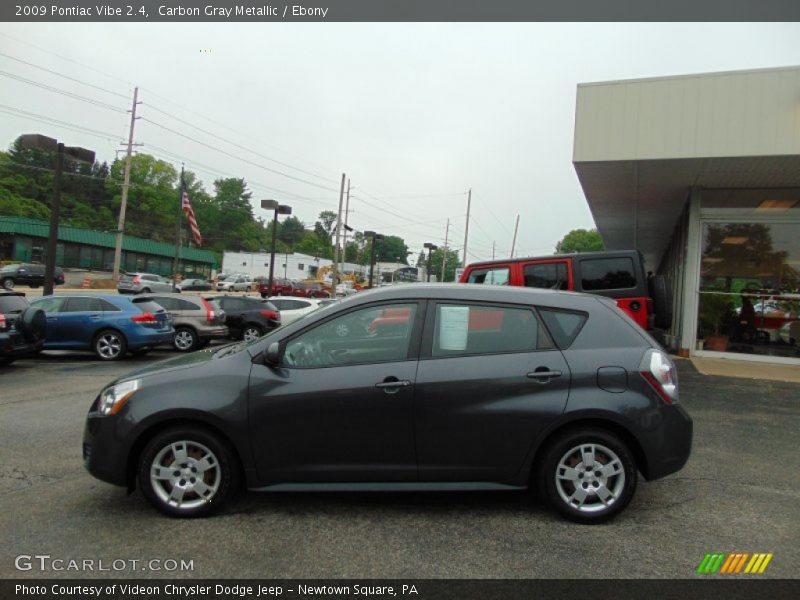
(619, 275)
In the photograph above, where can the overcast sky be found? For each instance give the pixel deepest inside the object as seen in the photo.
(414, 114)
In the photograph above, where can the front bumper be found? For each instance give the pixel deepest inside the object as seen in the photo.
(104, 456)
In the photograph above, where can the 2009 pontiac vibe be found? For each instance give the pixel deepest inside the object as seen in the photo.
(415, 387)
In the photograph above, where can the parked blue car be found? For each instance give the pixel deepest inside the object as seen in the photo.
(110, 326)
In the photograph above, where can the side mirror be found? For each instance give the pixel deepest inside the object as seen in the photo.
(272, 355)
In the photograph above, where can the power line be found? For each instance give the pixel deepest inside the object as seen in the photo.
(59, 56)
(51, 121)
(489, 210)
(214, 135)
(35, 66)
(183, 135)
(56, 90)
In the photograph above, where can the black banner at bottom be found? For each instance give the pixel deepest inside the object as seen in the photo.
(390, 589)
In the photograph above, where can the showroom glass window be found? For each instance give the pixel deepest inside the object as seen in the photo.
(750, 274)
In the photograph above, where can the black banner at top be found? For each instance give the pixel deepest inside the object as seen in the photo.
(182, 11)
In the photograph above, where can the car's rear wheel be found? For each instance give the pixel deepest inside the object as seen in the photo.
(145, 290)
(588, 475)
(185, 339)
(187, 471)
(8, 283)
(251, 333)
(110, 345)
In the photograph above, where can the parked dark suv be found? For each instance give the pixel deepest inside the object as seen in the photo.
(248, 318)
(478, 387)
(22, 328)
(27, 274)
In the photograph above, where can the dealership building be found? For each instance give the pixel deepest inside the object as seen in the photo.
(701, 174)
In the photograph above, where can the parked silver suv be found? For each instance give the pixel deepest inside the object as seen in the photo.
(197, 321)
(143, 283)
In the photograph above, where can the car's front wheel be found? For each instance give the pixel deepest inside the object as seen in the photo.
(588, 475)
(8, 283)
(187, 471)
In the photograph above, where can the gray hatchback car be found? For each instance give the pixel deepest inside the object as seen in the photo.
(434, 387)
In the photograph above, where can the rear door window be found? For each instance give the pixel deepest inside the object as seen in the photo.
(551, 275)
(82, 305)
(607, 274)
(489, 276)
(462, 329)
(564, 326)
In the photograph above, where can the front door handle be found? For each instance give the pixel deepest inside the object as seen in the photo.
(392, 385)
(543, 375)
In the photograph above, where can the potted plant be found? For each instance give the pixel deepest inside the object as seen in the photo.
(716, 316)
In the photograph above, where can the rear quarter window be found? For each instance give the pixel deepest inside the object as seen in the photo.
(607, 274)
(564, 326)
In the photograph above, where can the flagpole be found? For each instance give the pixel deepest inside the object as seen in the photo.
(178, 227)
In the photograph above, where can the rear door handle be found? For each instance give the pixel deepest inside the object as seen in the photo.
(543, 375)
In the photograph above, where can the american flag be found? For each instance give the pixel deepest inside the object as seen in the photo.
(186, 205)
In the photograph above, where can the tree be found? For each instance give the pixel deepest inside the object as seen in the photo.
(291, 231)
(580, 240)
(451, 264)
(392, 249)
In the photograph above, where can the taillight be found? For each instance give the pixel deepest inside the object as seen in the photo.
(3, 322)
(659, 372)
(145, 318)
(137, 279)
(270, 314)
(209, 310)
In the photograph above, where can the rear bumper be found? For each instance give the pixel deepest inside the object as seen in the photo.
(150, 338)
(215, 333)
(14, 345)
(670, 449)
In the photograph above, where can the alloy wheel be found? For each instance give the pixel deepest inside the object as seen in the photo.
(109, 346)
(251, 334)
(185, 474)
(590, 478)
(184, 340)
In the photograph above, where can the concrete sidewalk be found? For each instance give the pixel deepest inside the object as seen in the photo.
(746, 369)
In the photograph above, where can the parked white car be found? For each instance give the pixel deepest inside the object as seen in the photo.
(345, 289)
(292, 309)
(235, 283)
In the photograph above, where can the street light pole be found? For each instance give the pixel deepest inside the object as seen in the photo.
(48, 144)
(279, 209)
(431, 247)
(375, 237)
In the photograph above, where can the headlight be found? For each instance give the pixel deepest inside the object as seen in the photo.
(115, 397)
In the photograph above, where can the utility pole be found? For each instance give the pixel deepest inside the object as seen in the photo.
(466, 227)
(52, 240)
(444, 251)
(346, 214)
(336, 248)
(125, 184)
(514, 242)
(492, 250)
(178, 228)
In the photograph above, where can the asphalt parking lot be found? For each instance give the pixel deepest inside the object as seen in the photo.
(738, 492)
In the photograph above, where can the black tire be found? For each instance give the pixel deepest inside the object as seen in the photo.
(619, 482)
(8, 283)
(662, 303)
(116, 349)
(250, 330)
(145, 291)
(185, 339)
(33, 324)
(221, 478)
(263, 295)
